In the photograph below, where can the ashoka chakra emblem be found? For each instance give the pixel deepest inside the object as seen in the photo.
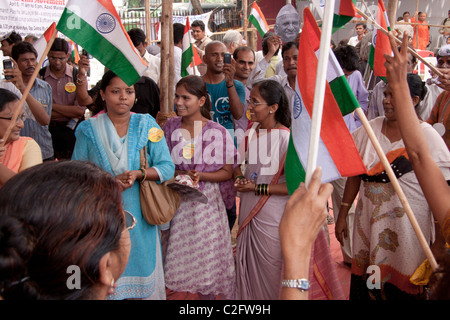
(298, 106)
(106, 23)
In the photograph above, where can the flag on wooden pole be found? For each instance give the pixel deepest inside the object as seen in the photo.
(337, 153)
(42, 42)
(187, 57)
(380, 43)
(96, 26)
(258, 20)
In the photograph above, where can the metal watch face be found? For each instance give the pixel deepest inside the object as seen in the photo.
(303, 284)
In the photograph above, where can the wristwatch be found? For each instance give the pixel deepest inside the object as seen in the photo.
(302, 284)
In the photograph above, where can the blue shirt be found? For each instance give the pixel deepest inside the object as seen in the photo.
(221, 102)
(42, 92)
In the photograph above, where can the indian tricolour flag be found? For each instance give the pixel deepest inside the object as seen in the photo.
(338, 155)
(96, 26)
(380, 43)
(344, 11)
(42, 42)
(188, 54)
(258, 20)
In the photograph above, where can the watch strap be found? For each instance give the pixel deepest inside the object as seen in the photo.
(302, 284)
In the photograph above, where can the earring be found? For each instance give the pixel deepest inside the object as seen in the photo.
(111, 288)
(270, 111)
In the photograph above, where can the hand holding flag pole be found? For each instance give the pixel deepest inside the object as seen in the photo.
(30, 84)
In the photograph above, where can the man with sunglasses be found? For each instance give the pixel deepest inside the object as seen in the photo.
(66, 111)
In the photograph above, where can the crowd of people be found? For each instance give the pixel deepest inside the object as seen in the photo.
(70, 176)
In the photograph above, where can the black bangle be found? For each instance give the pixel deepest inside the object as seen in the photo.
(230, 86)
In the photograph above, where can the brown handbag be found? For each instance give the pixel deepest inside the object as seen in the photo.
(158, 202)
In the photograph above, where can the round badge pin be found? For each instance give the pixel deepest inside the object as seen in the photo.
(155, 134)
(248, 114)
(70, 87)
(188, 151)
(440, 128)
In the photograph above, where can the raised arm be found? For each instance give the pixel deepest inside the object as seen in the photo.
(431, 179)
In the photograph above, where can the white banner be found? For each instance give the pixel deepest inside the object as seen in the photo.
(30, 16)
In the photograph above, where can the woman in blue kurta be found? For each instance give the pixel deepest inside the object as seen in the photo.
(113, 140)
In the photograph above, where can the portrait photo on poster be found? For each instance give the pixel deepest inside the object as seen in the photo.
(287, 23)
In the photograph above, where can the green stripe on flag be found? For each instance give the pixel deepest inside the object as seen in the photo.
(340, 21)
(98, 46)
(296, 172)
(344, 95)
(255, 22)
(186, 60)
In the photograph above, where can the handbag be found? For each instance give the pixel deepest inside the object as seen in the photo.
(158, 202)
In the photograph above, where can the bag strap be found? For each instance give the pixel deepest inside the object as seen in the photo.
(143, 157)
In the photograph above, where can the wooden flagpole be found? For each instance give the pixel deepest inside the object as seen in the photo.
(319, 93)
(414, 53)
(30, 84)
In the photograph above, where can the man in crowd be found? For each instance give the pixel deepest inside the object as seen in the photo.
(137, 36)
(201, 41)
(8, 41)
(245, 63)
(66, 112)
(289, 53)
(39, 101)
(232, 39)
(360, 32)
(227, 95)
(401, 28)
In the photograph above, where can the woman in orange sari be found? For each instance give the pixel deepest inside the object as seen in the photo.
(18, 153)
(421, 31)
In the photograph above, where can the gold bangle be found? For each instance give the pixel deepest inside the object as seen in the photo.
(268, 193)
(346, 204)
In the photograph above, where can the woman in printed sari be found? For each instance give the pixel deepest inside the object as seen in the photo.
(263, 193)
(113, 140)
(383, 235)
(199, 255)
(18, 153)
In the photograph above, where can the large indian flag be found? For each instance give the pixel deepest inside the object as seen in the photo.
(338, 155)
(258, 20)
(380, 43)
(344, 11)
(96, 26)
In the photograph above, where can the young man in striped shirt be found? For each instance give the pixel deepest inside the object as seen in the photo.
(39, 110)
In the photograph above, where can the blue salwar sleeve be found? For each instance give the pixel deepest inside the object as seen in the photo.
(80, 151)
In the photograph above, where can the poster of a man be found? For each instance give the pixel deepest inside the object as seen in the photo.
(287, 23)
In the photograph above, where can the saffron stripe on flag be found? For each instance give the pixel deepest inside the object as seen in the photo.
(96, 27)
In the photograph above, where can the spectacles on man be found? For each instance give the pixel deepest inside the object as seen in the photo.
(130, 220)
(21, 117)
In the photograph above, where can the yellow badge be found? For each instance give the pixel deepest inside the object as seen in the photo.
(188, 151)
(70, 87)
(249, 117)
(155, 134)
